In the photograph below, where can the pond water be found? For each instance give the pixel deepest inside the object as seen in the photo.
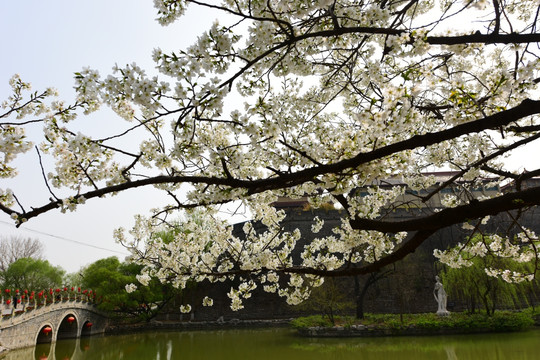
(283, 344)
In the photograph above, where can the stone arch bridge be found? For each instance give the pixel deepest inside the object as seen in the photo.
(25, 326)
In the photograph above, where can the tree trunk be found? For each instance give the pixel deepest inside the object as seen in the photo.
(361, 293)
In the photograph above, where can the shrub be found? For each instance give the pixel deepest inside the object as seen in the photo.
(311, 321)
(511, 321)
(499, 322)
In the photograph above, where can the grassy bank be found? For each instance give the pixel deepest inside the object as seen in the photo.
(499, 322)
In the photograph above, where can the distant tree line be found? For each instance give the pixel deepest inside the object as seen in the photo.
(22, 267)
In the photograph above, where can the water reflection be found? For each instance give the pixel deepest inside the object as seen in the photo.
(42, 351)
(283, 344)
(451, 353)
(65, 350)
(84, 344)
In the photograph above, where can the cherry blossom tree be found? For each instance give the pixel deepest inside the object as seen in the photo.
(299, 99)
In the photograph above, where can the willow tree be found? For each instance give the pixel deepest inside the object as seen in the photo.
(310, 99)
(474, 286)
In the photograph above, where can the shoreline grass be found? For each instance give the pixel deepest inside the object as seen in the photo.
(501, 321)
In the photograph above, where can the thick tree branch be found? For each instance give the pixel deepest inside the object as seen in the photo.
(285, 180)
(450, 216)
(477, 37)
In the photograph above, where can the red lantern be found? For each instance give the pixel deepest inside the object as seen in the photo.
(47, 330)
(70, 319)
(18, 301)
(88, 324)
(8, 301)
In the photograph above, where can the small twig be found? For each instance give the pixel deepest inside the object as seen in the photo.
(44, 176)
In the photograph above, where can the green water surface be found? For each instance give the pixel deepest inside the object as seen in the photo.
(283, 344)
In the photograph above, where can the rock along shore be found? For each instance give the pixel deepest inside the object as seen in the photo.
(373, 331)
(195, 325)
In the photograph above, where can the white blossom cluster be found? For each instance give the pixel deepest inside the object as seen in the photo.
(331, 102)
(13, 139)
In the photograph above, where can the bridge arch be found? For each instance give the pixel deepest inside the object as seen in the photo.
(86, 329)
(45, 334)
(68, 327)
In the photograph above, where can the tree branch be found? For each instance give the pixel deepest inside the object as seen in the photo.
(285, 180)
(456, 215)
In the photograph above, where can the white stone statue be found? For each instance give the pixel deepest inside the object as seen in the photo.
(440, 297)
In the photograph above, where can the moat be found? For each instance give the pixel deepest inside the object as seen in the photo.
(283, 344)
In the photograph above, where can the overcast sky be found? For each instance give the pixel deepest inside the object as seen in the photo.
(46, 42)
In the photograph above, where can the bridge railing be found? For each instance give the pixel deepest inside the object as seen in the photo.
(24, 305)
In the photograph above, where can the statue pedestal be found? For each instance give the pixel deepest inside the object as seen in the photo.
(443, 313)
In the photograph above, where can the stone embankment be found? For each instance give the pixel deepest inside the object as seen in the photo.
(375, 331)
(196, 325)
